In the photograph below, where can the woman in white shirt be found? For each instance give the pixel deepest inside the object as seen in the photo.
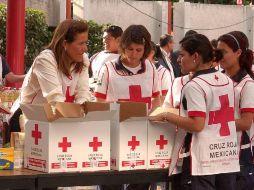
(60, 72)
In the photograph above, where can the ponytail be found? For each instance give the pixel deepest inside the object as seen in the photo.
(246, 61)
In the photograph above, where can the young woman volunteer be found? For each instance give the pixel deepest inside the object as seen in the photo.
(209, 144)
(237, 62)
(130, 77)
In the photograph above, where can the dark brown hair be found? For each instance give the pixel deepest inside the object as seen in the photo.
(66, 30)
(198, 43)
(238, 40)
(137, 34)
(115, 31)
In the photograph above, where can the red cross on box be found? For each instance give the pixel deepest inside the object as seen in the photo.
(36, 134)
(95, 144)
(64, 144)
(161, 142)
(222, 116)
(68, 97)
(135, 93)
(133, 143)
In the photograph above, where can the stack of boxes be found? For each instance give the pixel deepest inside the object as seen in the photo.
(114, 136)
(65, 141)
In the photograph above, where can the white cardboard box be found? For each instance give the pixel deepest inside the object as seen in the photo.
(96, 137)
(129, 137)
(161, 138)
(55, 143)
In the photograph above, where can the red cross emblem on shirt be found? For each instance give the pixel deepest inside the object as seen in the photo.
(161, 142)
(135, 93)
(216, 78)
(95, 144)
(222, 116)
(64, 144)
(36, 134)
(133, 143)
(68, 97)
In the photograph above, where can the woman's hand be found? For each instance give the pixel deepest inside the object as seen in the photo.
(162, 117)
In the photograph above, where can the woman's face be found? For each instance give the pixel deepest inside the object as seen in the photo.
(186, 61)
(230, 59)
(110, 43)
(134, 52)
(77, 48)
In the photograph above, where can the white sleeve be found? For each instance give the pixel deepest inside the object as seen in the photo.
(166, 82)
(46, 71)
(195, 97)
(167, 100)
(247, 100)
(102, 83)
(156, 86)
(82, 93)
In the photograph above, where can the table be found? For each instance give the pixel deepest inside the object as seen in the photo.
(17, 179)
(34, 180)
(45, 180)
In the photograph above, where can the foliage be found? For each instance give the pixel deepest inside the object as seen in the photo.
(37, 34)
(95, 37)
(2, 29)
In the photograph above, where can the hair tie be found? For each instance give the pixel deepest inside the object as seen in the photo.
(234, 39)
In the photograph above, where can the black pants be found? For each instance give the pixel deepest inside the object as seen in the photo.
(245, 178)
(225, 181)
(176, 181)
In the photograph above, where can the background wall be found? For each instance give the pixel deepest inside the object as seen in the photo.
(212, 20)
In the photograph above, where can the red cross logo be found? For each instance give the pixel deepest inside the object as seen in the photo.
(36, 134)
(161, 142)
(222, 116)
(64, 144)
(68, 97)
(136, 95)
(133, 143)
(95, 144)
(216, 78)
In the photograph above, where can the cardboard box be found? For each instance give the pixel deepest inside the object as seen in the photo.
(95, 137)
(161, 138)
(56, 140)
(6, 158)
(129, 137)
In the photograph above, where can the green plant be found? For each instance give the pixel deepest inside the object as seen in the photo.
(2, 29)
(37, 34)
(95, 37)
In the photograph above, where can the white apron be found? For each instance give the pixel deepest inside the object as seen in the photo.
(214, 150)
(133, 88)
